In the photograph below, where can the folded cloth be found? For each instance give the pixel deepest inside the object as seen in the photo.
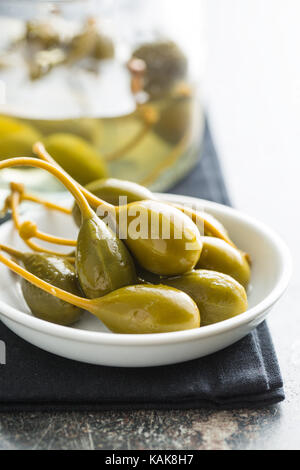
(245, 374)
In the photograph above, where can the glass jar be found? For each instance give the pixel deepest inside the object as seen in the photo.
(110, 81)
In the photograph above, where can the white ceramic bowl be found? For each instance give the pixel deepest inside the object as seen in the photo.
(89, 341)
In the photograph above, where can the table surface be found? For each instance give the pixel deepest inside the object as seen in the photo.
(252, 88)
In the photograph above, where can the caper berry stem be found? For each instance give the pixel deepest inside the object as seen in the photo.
(20, 255)
(149, 116)
(11, 251)
(53, 239)
(45, 203)
(19, 188)
(39, 149)
(60, 175)
(210, 225)
(168, 161)
(73, 299)
(28, 229)
(119, 153)
(15, 201)
(35, 247)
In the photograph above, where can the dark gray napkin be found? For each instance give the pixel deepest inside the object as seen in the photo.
(244, 375)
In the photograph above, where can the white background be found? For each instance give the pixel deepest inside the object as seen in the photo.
(252, 89)
(253, 94)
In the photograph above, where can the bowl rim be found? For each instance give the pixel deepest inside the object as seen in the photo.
(86, 336)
